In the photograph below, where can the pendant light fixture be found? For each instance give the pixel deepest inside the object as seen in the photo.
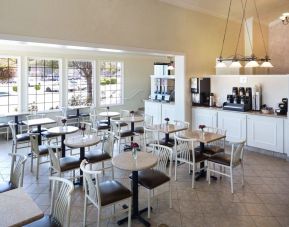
(220, 63)
(252, 61)
(285, 18)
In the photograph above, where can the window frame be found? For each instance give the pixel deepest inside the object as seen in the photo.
(99, 79)
(18, 83)
(60, 68)
(94, 87)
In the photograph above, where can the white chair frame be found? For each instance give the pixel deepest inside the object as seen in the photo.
(17, 169)
(237, 152)
(92, 195)
(15, 143)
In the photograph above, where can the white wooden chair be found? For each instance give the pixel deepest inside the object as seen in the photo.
(151, 136)
(185, 153)
(5, 128)
(148, 121)
(59, 165)
(103, 194)
(19, 141)
(105, 153)
(159, 175)
(60, 210)
(16, 173)
(228, 162)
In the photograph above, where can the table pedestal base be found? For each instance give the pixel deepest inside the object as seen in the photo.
(136, 216)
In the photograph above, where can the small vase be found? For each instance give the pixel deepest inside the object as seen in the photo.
(134, 153)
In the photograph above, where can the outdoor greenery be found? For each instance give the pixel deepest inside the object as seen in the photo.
(107, 81)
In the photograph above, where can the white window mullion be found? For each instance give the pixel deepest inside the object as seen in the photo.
(23, 82)
(96, 87)
(63, 82)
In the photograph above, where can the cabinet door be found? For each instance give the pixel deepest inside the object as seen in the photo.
(168, 110)
(203, 117)
(234, 124)
(153, 109)
(266, 133)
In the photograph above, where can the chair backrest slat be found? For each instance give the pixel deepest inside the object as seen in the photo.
(12, 126)
(61, 200)
(34, 142)
(17, 169)
(164, 154)
(237, 153)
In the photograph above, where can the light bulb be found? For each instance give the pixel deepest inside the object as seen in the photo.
(252, 64)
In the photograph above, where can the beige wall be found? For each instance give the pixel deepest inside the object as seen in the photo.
(146, 24)
(279, 47)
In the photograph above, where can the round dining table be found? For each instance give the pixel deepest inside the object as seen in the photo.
(62, 131)
(81, 142)
(125, 161)
(108, 115)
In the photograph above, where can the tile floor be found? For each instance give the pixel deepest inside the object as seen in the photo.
(263, 201)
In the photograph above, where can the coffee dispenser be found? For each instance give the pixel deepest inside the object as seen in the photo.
(201, 89)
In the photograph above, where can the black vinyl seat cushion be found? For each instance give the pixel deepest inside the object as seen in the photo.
(139, 130)
(211, 150)
(23, 137)
(84, 114)
(6, 186)
(96, 156)
(3, 125)
(223, 159)
(47, 134)
(126, 133)
(112, 191)
(169, 144)
(71, 116)
(199, 157)
(151, 178)
(103, 126)
(46, 221)
(35, 130)
(69, 163)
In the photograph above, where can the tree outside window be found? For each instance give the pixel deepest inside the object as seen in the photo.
(80, 83)
(8, 85)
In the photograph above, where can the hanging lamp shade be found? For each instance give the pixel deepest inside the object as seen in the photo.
(235, 64)
(252, 64)
(221, 64)
(171, 66)
(266, 64)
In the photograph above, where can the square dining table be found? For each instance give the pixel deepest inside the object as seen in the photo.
(17, 208)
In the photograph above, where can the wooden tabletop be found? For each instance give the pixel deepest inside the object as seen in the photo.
(199, 136)
(132, 119)
(60, 130)
(168, 128)
(17, 208)
(78, 141)
(125, 161)
(108, 114)
(39, 121)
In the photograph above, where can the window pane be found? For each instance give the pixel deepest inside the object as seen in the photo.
(111, 82)
(80, 83)
(8, 85)
(43, 84)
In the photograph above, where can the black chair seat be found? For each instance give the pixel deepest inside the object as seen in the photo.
(23, 137)
(199, 157)
(211, 150)
(171, 139)
(223, 159)
(71, 116)
(139, 130)
(6, 186)
(123, 124)
(69, 163)
(126, 133)
(103, 126)
(3, 125)
(96, 156)
(169, 144)
(35, 130)
(112, 191)
(84, 115)
(47, 134)
(46, 221)
(151, 178)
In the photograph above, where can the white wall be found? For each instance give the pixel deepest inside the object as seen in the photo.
(274, 87)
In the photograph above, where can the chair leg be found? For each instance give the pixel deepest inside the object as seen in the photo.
(98, 217)
(176, 162)
(37, 167)
(102, 165)
(232, 183)
(242, 166)
(84, 212)
(193, 176)
(129, 213)
(149, 203)
(170, 193)
(31, 162)
(208, 174)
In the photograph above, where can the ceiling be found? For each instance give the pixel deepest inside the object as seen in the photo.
(269, 10)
